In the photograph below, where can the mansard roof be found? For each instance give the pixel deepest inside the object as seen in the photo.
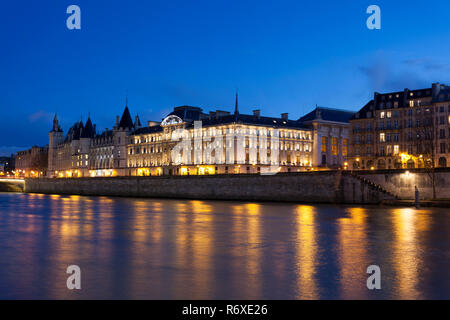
(328, 114)
(400, 99)
(187, 113)
(252, 120)
(146, 130)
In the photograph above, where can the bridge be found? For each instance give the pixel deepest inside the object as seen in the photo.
(12, 185)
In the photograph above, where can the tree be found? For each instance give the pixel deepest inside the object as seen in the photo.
(426, 146)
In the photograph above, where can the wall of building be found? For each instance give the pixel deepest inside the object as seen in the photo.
(402, 182)
(318, 187)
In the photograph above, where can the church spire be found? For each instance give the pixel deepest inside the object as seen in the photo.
(56, 126)
(236, 109)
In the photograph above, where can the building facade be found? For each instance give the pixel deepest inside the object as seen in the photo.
(7, 165)
(83, 152)
(331, 136)
(405, 129)
(189, 141)
(219, 143)
(32, 163)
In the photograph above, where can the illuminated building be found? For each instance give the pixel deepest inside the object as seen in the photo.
(85, 153)
(31, 163)
(219, 143)
(331, 136)
(190, 142)
(404, 129)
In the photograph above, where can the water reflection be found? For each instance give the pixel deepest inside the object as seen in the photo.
(407, 254)
(247, 248)
(181, 249)
(353, 255)
(306, 253)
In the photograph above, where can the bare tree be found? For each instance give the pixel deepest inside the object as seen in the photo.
(425, 145)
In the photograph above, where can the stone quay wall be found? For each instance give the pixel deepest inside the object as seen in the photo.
(310, 187)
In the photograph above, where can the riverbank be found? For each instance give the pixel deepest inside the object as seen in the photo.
(423, 203)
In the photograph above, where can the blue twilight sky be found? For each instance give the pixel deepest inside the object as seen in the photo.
(282, 56)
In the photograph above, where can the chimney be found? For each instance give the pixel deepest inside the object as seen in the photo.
(117, 121)
(435, 89)
(257, 113)
(284, 116)
(405, 96)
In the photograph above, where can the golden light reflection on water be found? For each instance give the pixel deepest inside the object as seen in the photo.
(194, 238)
(306, 252)
(408, 224)
(246, 239)
(353, 255)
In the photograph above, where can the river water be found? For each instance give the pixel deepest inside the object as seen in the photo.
(131, 248)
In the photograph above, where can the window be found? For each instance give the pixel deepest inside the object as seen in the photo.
(334, 146)
(411, 103)
(443, 148)
(396, 150)
(389, 149)
(344, 147)
(323, 144)
(442, 133)
(441, 120)
(388, 114)
(382, 115)
(382, 137)
(395, 137)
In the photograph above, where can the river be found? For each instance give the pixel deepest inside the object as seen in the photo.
(130, 248)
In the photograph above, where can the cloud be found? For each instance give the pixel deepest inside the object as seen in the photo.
(427, 64)
(40, 115)
(385, 73)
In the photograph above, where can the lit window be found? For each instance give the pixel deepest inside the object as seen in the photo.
(382, 137)
(334, 146)
(411, 103)
(344, 147)
(388, 114)
(324, 143)
(382, 115)
(396, 149)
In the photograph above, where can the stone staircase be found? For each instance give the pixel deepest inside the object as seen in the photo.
(374, 186)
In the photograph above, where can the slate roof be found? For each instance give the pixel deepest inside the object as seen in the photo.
(126, 121)
(88, 131)
(252, 120)
(74, 132)
(187, 113)
(146, 130)
(328, 114)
